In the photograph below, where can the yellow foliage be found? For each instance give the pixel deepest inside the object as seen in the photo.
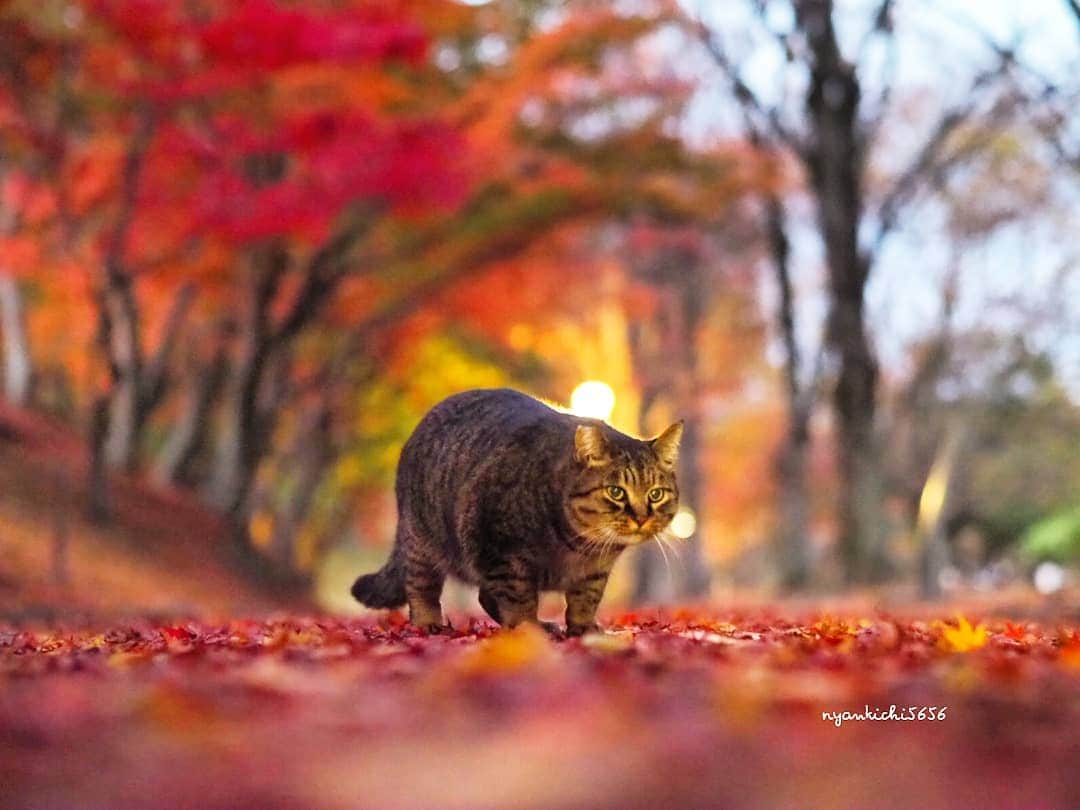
(963, 637)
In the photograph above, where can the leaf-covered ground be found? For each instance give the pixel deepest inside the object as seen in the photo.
(674, 709)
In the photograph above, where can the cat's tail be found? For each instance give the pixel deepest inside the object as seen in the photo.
(386, 587)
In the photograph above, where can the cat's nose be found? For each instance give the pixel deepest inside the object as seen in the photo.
(638, 521)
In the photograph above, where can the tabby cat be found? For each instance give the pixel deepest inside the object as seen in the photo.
(501, 491)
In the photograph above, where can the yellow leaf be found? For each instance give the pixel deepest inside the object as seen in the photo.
(95, 643)
(122, 660)
(963, 637)
(608, 642)
(509, 650)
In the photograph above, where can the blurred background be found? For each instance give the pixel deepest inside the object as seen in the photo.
(245, 245)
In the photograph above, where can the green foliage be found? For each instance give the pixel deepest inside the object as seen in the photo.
(1021, 464)
(1056, 537)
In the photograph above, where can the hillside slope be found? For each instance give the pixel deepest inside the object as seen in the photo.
(162, 553)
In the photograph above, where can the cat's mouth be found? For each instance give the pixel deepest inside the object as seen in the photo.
(632, 534)
(622, 534)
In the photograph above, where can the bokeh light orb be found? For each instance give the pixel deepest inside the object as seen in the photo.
(684, 524)
(1049, 577)
(593, 399)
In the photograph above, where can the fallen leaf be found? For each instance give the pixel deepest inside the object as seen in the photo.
(608, 642)
(509, 650)
(963, 637)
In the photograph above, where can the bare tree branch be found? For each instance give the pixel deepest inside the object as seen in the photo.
(325, 270)
(129, 188)
(934, 159)
(1074, 6)
(911, 178)
(768, 118)
(882, 24)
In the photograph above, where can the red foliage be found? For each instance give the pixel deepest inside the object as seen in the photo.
(333, 159)
(200, 163)
(185, 56)
(260, 35)
(682, 708)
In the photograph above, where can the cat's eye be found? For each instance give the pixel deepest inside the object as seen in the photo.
(656, 494)
(616, 493)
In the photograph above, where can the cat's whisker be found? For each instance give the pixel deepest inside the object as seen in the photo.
(664, 540)
(611, 537)
(667, 562)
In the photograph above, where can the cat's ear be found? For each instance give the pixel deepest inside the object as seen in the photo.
(666, 445)
(590, 446)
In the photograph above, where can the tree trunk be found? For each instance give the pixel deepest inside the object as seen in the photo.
(125, 359)
(246, 425)
(693, 294)
(239, 445)
(18, 364)
(694, 577)
(100, 504)
(61, 573)
(792, 506)
(118, 315)
(793, 513)
(653, 577)
(189, 438)
(311, 457)
(665, 357)
(138, 387)
(834, 161)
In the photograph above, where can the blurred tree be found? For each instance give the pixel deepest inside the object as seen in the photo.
(831, 137)
(664, 348)
(35, 67)
(793, 508)
(532, 212)
(1015, 465)
(260, 209)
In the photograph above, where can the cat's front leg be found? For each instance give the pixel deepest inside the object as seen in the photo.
(582, 599)
(510, 595)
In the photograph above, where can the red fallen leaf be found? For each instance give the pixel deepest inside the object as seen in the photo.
(347, 696)
(1017, 632)
(882, 635)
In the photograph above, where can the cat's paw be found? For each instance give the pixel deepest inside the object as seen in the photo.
(550, 628)
(434, 629)
(574, 630)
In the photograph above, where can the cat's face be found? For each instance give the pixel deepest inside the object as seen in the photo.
(625, 492)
